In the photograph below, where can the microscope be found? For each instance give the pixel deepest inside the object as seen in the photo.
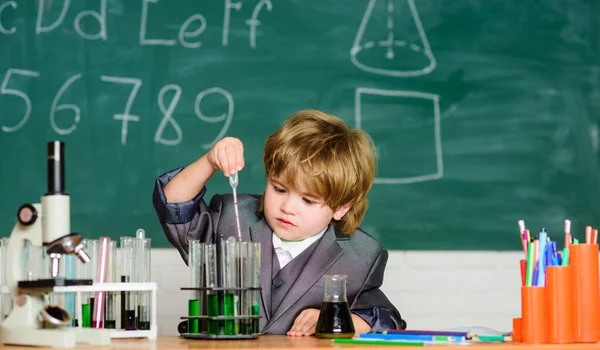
(46, 224)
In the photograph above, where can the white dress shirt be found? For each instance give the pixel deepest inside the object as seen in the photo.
(287, 250)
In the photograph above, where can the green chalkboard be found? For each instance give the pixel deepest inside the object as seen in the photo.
(483, 111)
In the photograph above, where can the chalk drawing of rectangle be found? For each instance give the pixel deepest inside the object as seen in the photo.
(405, 127)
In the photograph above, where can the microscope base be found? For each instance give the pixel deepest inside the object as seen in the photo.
(58, 338)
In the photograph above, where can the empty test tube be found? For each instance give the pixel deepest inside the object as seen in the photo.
(101, 273)
(5, 299)
(70, 273)
(196, 265)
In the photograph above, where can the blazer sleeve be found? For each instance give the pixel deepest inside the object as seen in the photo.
(372, 305)
(185, 221)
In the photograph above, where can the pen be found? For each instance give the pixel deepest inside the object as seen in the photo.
(467, 335)
(413, 337)
(382, 342)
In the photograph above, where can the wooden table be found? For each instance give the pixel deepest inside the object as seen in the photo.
(282, 342)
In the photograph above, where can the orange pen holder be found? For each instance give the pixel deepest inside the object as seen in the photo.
(583, 259)
(517, 329)
(559, 305)
(533, 311)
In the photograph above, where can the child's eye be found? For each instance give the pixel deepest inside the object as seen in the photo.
(278, 189)
(308, 201)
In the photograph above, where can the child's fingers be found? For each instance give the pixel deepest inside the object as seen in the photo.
(239, 157)
(230, 159)
(298, 322)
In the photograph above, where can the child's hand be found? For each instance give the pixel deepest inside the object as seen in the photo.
(227, 155)
(305, 323)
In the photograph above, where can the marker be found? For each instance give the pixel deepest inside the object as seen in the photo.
(521, 226)
(495, 338)
(588, 234)
(567, 233)
(594, 236)
(541, 264)
(530, 262)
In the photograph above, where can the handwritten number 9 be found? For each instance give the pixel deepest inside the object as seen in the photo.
(223, 117)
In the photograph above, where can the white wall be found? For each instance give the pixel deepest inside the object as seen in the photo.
(431, 290)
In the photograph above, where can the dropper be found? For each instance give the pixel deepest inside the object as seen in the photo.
(233, 181)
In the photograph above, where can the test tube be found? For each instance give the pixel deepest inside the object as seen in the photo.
(127, 298)
(245, 295)
(196, 265)
(110, 311)
(101, 272)
(87, 308)
(84, 271)
(5, 299)
(229, 278)
(254, 263)
(142, 250)
(70, 273)
(212, 303)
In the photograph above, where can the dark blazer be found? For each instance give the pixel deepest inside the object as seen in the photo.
(358, 256)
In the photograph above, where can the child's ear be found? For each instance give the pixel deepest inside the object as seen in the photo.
(341, 211)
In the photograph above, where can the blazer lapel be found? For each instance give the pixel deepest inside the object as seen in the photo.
(327, 252)
(261, 232)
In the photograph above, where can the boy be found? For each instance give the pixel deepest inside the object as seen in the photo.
(318, 175)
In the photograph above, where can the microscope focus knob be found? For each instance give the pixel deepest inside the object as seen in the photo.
(27, 214)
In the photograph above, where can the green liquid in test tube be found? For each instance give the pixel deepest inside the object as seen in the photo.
(212, 304)
(244, 296)
(254, 262)
(229, 273)
(196, 265)
(86, 315)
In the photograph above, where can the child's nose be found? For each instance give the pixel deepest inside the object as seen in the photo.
(287, 206)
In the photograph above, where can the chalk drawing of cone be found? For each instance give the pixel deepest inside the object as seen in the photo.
(391, 40)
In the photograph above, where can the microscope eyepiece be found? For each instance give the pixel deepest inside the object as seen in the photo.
(56, 167)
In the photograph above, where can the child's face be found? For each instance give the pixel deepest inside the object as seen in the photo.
(295, 214)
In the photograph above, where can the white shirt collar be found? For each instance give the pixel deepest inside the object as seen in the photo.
(288, 250)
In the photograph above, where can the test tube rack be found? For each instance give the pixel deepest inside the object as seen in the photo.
(220, 293)
(113, 287)
(225, 283)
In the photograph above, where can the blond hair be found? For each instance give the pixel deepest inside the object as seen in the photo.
(330, 159)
